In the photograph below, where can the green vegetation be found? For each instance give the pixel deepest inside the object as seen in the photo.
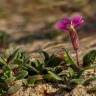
(17, 66)
(90, 58)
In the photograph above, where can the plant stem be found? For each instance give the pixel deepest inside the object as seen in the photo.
(75, 42)
(77, 57)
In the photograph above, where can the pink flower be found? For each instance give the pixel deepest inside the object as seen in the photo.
(63, 24)
(66, 23)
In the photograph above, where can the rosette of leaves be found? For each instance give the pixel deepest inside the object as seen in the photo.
(55, 69)
(13, 68)
(46, 69)
(76, 76)
(17, 66)
(70, 75)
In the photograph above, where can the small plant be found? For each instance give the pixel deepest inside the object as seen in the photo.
(70, 25)
(17, 66)
(13, 69)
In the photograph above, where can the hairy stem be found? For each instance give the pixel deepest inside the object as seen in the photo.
(75, 42)
(77, 57)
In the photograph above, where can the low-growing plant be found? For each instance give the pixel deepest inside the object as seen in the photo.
(13, 68)
(77, 70)
(18, 66)
(70, 24)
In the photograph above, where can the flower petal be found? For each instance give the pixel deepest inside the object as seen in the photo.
(77, 20)
(63, 24)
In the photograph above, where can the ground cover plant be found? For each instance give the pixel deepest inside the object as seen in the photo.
(17, 65)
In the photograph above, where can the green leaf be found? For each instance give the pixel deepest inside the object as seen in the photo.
(77, 81)
(7, 71)
(52, 76)
(13, 56)
(2, 61)
(70, 62)
(33, 79)
(13, 89)
(31, 68)
(89, 58)
(63, 72)
(35, 63)
(71, 72)
(12, 66)
(46, 55)
(18, 57)
(67, 58)
(53, 61)
(21, 75)
(7, 75)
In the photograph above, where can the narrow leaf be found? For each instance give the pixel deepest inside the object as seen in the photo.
(67, 58)
(22, 74)
(52, 76)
